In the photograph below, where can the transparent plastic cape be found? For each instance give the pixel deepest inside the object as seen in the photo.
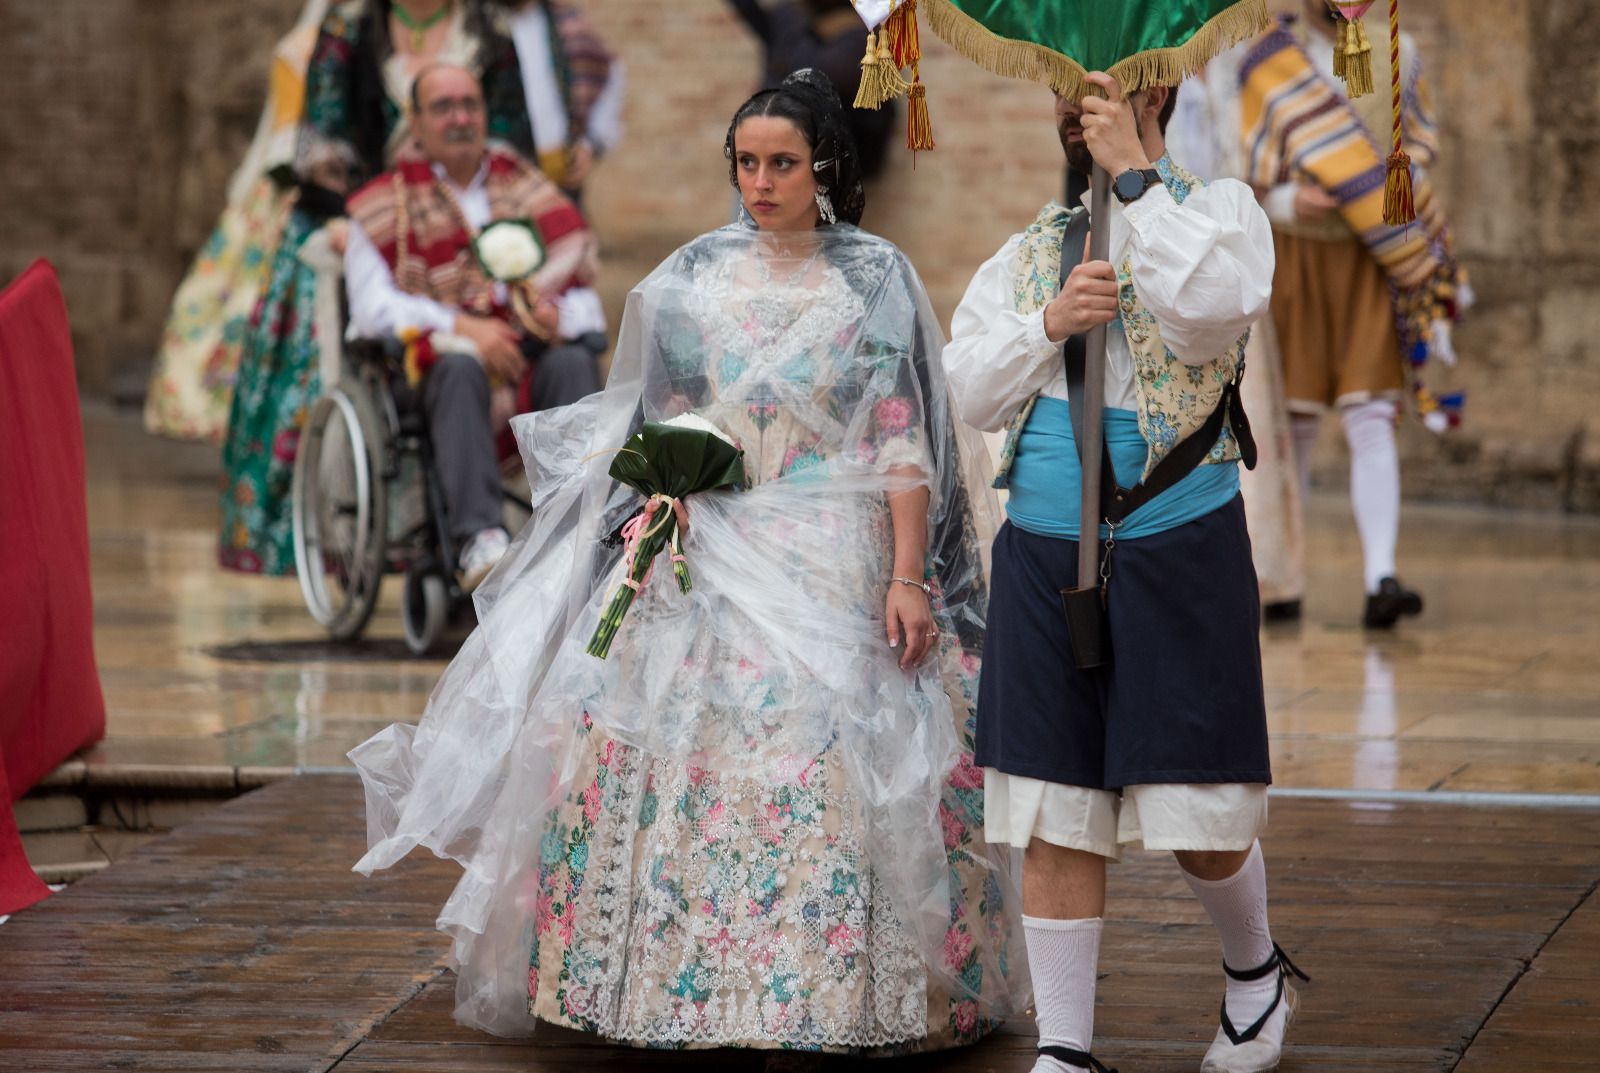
(818, 354)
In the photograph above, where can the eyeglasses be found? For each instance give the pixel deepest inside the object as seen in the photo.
(441, 108)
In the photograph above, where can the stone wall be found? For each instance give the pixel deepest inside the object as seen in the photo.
(122, 122)
(124, 118)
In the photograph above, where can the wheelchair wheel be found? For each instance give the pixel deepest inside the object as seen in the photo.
(340, 510)
(424, 610)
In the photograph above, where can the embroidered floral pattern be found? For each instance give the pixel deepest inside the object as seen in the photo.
(698, 902)
(681, 907)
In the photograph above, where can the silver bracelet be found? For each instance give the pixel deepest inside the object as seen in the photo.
(927, 589)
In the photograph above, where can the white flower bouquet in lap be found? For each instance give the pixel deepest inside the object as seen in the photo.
(510, 252)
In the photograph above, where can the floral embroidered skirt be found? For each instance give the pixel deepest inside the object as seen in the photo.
(680, 907)
(277, 383)
(191, 389)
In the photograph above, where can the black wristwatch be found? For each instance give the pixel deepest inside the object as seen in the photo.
(1131, 185)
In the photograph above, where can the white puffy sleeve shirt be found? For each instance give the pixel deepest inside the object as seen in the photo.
(1203, 269)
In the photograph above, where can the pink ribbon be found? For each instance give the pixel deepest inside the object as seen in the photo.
(636, 529)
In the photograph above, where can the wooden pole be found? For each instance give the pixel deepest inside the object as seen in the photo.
(1094, 392)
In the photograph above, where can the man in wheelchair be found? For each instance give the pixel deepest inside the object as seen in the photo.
(477, 318)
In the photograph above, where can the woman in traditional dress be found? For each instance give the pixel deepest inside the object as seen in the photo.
(191, 386)
(757, 823)
(357, 93)
(574, 83)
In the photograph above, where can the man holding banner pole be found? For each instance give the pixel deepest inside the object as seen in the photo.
(1128, 711)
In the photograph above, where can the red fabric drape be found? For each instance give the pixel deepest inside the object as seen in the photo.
(50, 700)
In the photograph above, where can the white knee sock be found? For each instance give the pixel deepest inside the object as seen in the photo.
(1238, 907)
(1374, 484)
(1303, 434)
(1063, 956)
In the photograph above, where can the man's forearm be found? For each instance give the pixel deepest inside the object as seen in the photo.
(379, 308)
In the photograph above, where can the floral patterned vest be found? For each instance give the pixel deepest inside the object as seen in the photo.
(1174, 399)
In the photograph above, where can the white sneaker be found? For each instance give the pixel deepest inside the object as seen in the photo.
(486, 548)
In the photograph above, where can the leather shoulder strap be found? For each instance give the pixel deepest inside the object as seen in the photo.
(1073, 350)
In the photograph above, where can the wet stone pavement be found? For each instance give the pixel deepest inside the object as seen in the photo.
(1495, 688)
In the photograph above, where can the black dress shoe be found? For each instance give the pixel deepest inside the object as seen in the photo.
(1281, 611)
(1392, 600)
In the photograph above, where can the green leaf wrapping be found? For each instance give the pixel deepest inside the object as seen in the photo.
(663, 459)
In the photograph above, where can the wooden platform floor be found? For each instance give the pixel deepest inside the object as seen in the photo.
(1440, 938)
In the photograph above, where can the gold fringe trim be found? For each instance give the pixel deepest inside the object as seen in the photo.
(1035, 63)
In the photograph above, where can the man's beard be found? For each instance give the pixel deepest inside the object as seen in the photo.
(1079, 159)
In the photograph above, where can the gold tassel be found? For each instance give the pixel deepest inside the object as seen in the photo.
(1341, 42)
(1399, 208)
(1399, 204)
(889, 71)
(919, 130)
(866, 87)
(1357, 71)
(880, 82)
(903, 40)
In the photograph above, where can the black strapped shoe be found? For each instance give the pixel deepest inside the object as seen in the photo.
(1279, 962)
(1236, 1051)
(1076, 1059)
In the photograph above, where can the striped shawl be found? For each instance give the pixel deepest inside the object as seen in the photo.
(415, 223)
(1298, 126)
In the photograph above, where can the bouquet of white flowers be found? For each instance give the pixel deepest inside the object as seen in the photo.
(664, 461)
(510, 252)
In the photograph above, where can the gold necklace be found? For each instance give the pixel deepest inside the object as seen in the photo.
(419, 30)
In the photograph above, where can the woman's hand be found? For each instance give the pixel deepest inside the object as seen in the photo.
(910, 623)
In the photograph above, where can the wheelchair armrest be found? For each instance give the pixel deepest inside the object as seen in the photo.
(386, 349)
(375, 348)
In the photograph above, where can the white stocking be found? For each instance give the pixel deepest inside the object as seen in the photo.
(1238, 907)
(1303, 434)
(1062, 957)
(1374, 484)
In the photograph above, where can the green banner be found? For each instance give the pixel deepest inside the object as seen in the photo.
(1140, 42)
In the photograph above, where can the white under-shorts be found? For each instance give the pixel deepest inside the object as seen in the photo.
(1215, 817)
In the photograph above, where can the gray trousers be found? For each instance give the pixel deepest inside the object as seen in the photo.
(455, 397)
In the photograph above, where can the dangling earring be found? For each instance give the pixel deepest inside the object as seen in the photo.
(825, 206)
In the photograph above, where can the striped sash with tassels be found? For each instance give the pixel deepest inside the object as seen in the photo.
(1298, 126)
